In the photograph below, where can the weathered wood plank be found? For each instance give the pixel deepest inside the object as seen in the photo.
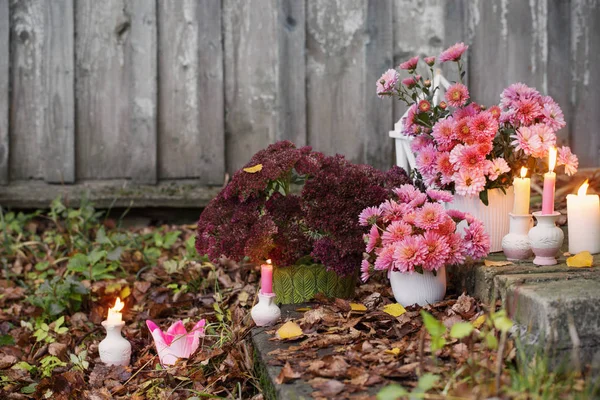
(251, 78)
(4, 89)
(292, 71)
(115, 88)
(585, 50)
(335, 93)
(378, 145)
(191, 114)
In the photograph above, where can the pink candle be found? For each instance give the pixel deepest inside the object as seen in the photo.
(549, 184)
(266, 278)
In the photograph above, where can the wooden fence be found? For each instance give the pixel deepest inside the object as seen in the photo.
(156, 100)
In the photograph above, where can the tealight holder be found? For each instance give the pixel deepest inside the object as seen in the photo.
(546, 238)
(265, 312)
(516, 244)
(114, 349)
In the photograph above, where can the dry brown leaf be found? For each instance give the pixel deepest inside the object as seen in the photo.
(327, 387)
(287, 374)
(490, 263)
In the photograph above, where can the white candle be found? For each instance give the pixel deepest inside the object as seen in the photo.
(114, 315)
(583, 213)
(549, 184)
(522, 193)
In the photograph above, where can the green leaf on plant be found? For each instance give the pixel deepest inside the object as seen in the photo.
(29, 389)
(433, 326)
(461, 330)
(483, 196)
(427, 381)
(392, 392)
(7, 340)
(78, 263)
(491, 341)
(503, 323)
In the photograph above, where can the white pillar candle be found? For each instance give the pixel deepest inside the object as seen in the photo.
(522, 193)
(583, 213)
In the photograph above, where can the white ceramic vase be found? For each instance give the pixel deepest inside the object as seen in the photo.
(265, 312)
(114, 349)
(416, 288)
(494, 216)
(546, 238)
(516, 244)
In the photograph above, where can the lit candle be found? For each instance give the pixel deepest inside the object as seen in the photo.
(522, 193)
(583, 212)
(114, 314)
(549, 183)
(266, 278)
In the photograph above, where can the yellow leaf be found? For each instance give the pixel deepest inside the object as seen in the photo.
(395, 310)
(254, 169)
(395, 351)
(358, 307)
(289, 330)
(126, 291)
(583, 259)
(479, 321)
(490, 263)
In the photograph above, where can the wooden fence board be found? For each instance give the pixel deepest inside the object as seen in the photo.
(4, 89)
(191, 114)
(336, 52)
(251, 78)
(585, 48)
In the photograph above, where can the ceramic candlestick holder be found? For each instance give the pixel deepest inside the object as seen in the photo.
(114, 349)
(546, 238)
(516, 244)
(265, 312)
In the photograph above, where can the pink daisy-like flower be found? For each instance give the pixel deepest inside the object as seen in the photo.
(445, 167)
(495, 112)
(365, 267)
(468, 111)
(443, 131)
(392, 211)
(471, 158)
(387, 82)
(553, 116)
(469, 218)
(469, 182)
(409, 82)
(498, 167)
(395, 232)
(526, 140)
(406, 193)
(373, 239)
(410, 252)
(457, 249)
(462, 131)
(528, 110)
(447, 227)
(457, 95)
(429, 60)
(440, 195)
(419, 143)
(515, 92)
(426, 158)
(437, 251)
(430, 216)
(483, 126)
(408, 122)
(410, 64)
(409, 218)
(424, 106)
(547, 139)
(385, 258)
(456, 215)
(568, 159)
(477, 241)
(453, 53)
(369, 216)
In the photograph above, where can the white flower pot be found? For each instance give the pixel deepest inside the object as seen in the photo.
(265, 312)
(495, 216)
(421, 289)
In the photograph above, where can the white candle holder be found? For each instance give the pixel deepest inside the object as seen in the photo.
(546, 238)
(114, 349)
(516, 244)
(265, 312)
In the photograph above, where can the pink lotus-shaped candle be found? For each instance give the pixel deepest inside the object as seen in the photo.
(176, 342)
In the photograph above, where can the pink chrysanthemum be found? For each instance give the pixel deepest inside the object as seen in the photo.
(419, 143)
(526, 140)
(495, 112)
(365, 267)
(457, 249)
(406, 193)
(477, 241)
(447, 227)
(453, 53)
(456, 215)
(528, 110)
(408, 122)
(424, 106)
(409, 82)
(387, 82)
(410, 252)
(498, 167)
(426, 158)
(568, 159)
(462, 131)
(471, 158)
(395, 232)
(373, 239)
(410, 64)
(553, 116)
(457, 95)
(369, 216)
(429, 60)
(443, 131)
(409, 218)
(430, 216)
(469, 182)
(437, 251)
(440, 195)
(483, 126)
(445, 167)
(547, 139)
(392, 211)
(468, 111)
(385, 258)
(515, 92)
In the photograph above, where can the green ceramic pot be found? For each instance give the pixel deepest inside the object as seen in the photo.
(300, 283)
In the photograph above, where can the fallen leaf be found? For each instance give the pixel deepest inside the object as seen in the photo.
(327, 387)
(125, 292)
(287, 374)
(582, 259)
(303, 309)
(289, 330)
(490, 263)
(395, 310)
(254, 169)
(58, 349)
(358, 307)
(479, 321)
(395, 351)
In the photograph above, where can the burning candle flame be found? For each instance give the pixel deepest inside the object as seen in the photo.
(552, 159)
(118, 305)
(523, 172)
(269, 261)
(583, 188)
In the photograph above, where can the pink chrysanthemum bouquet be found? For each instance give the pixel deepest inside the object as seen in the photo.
(414, 232)
(466, 148)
